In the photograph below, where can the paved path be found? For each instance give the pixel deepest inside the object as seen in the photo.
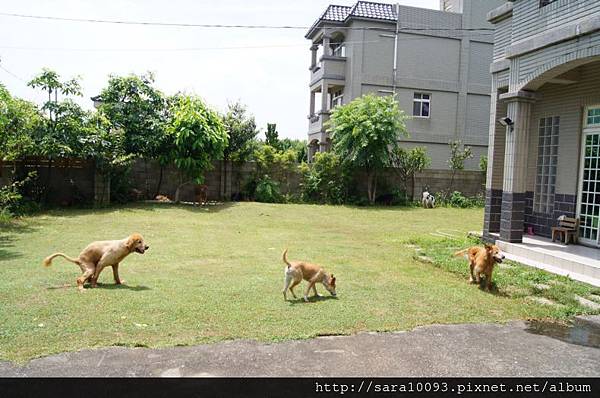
(513, 349)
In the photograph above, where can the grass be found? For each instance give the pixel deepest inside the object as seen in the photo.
(215, 273)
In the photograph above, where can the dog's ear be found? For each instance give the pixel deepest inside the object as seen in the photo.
(130, 244)
(487, 246)
(332, 279)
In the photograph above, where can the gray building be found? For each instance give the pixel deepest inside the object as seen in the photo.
(546, 80)
(440, 74)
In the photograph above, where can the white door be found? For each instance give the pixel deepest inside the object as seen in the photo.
(588, 206)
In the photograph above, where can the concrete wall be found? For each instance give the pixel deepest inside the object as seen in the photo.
(68, 182)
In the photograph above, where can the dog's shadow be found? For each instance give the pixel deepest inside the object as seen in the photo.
(114, 286)
(108, 286)
(311, 299)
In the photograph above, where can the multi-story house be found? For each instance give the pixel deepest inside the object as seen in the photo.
(544, 154)
(435, 62)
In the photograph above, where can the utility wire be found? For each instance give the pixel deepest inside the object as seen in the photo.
(191, 49)
(225, 26)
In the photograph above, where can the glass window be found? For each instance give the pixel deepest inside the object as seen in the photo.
(422, 105)
(546, 165)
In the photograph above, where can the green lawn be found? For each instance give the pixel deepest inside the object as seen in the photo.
(215, 273)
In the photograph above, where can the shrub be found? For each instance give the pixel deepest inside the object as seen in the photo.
(267, 191)
(457, 199)
(324, 181)
(12, 202)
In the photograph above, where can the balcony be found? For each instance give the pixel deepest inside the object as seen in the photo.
(329, 67)
(316, 122)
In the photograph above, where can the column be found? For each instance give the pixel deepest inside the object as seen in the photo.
(324, 104)
(326, 45)
(311, 109)
(519, 109)
(495, 168)
(313, 59)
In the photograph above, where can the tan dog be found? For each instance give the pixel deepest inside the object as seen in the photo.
(481, 262)
(298, 270)
(100, 254)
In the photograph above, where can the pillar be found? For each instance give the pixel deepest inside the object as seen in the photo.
(326, 45)
(311, 110)
(519, 109)
(495, 168)
(313, 59)
(324, 104)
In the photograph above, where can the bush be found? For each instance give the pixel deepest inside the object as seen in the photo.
(267, 191)
(457, 199)
(12, 202)
(324, 181)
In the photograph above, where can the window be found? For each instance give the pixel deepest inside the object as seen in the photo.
(337, 98)
(593, 117)
(546, 2)
(547, 160)
(421, 105)
(339, 50)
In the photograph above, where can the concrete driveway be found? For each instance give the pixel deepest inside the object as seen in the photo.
(513, 349)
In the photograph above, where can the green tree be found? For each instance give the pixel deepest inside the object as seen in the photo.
(458, 154)
(298, 146)
(272, 136)
(135, 106)
(19, 121)
(365, 133)
(324, 180)
(199, 138)
(60, 133)
(409, 162)
(241, 130)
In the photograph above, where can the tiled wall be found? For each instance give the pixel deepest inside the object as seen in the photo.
(564, 204)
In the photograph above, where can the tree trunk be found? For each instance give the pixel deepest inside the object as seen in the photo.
(160, 178)
(146, 185)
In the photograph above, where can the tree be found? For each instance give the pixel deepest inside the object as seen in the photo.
(19, 120)
(61, 131)
(241, 130)
(457, 158)
(135, 106)
(409, 162)
(298, 146)
(365, 133)
(272, 136)
(199, 137)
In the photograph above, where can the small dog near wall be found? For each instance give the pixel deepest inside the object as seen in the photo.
(428, 200)
(481, 262)
(295, 271)
(100, 254)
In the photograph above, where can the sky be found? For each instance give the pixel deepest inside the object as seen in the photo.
(267, 70)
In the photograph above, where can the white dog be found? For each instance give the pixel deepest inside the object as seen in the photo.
(428, 200)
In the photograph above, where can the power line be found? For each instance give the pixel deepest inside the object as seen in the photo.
(191, 49)
(224, 26)
(12, 74)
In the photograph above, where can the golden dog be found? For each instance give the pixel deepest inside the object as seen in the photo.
(98, 255)
(298, 270)
(481, 262)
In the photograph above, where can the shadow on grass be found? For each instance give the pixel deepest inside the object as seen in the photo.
(107, 286)
(113, 286)
(311, 299)
(149, 206)
(8, 233)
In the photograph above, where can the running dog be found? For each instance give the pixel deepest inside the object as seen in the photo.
(481, 262)
(297, 270)
(100, 254)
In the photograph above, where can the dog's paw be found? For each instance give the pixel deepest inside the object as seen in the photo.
(121, 282)
(306, 299)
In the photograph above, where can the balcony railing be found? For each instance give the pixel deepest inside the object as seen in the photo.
(329, 67)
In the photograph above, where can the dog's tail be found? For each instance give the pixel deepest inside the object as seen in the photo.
(461, 252)
(285, 259)
(48, 260)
